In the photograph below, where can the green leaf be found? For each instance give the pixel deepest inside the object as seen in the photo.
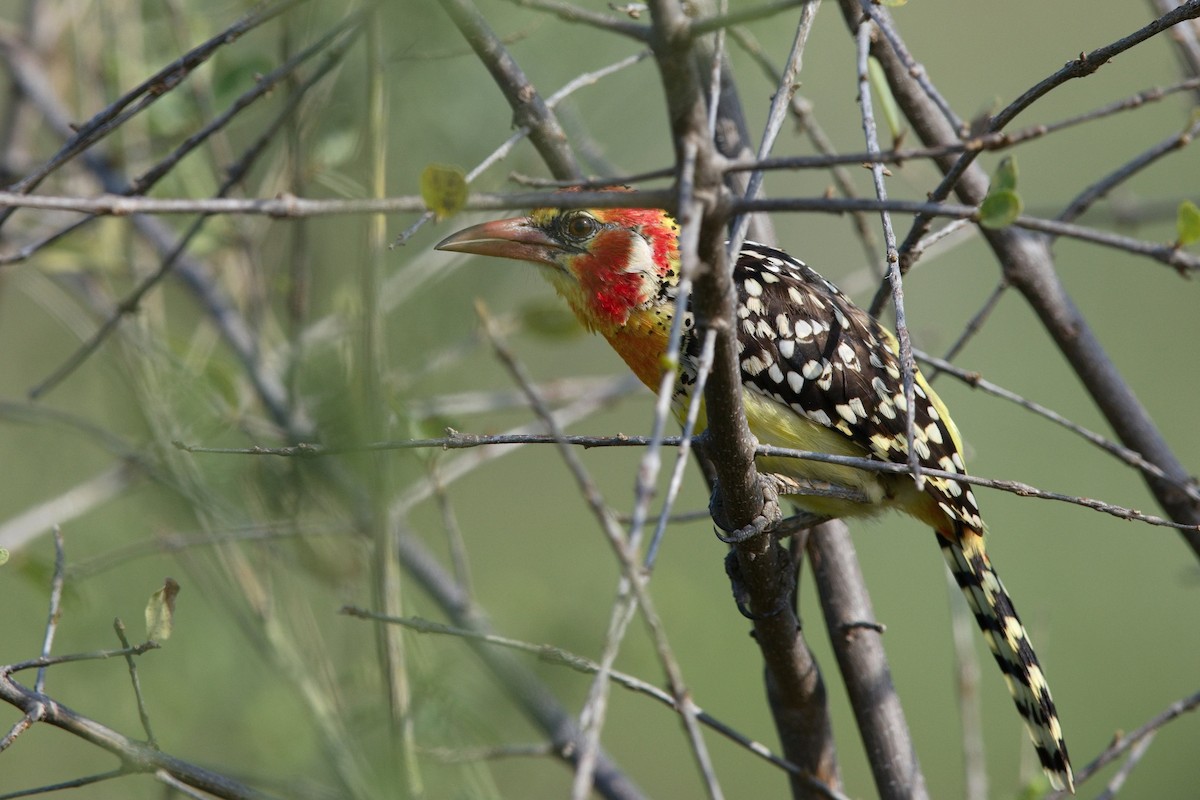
(893, 3)
(160, 612)
(999, 209)
(1002, 204)
(887, 101)
(3, 556)
(444, 189)
(1187, 224)
(1005, 177)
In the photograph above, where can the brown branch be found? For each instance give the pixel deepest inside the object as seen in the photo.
(857, 642)
(762, 568)
(529, 109)
(1109, 182)
(135, 756)
(574, 14)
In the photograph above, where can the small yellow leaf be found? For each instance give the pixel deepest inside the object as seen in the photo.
(160, 612)
(1188, 224)
(3, 556)
(444, 189)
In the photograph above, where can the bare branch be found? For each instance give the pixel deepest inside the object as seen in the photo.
(459, 441)
(634, 593)
(1106, 184)
(1122, 744)
(529, 110)
(856, 639)
(135, 756)
(56, 591)
(574, 14)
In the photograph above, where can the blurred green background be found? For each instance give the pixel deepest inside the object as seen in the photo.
(259, 651)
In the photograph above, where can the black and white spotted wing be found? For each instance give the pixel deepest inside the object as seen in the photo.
(804, 344)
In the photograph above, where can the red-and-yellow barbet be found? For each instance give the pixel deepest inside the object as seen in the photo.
(818, 373)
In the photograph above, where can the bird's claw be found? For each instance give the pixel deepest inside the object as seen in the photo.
(763, 523)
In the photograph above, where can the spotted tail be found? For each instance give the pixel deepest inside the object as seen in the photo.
(1010, 645)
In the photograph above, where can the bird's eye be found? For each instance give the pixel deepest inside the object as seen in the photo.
(580, 227)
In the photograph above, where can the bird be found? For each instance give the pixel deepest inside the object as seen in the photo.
(818, 373)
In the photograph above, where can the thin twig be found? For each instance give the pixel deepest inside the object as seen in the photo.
(461, 441)
(1086, 64)
(1122, 744)
(908, 366)
(131, 665)
(1125, 454)
(806, 119)
(776, 115)
(1136, 752)
(74, 783)
(973, 326)
(569, 13)
(1102, 187)
(527, 691)
(728, 19)
(52, 618)
(135, 756)
(287, 206)
(703, 369)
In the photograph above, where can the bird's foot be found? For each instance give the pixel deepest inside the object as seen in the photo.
(762, 524)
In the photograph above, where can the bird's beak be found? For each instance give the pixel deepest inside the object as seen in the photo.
(516, 238)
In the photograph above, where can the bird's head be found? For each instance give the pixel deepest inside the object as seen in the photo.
(607, 263)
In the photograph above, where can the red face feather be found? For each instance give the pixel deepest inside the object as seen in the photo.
(611, 291)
